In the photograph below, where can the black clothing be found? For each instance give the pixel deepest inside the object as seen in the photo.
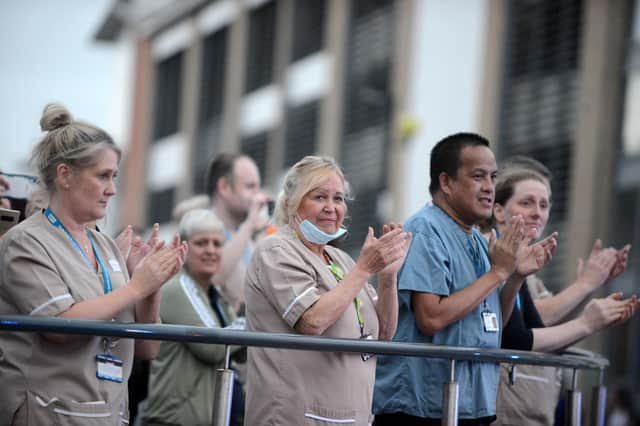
(517, 333)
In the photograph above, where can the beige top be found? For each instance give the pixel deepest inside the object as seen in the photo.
(532, 399)
(42, 273)
(292, 387)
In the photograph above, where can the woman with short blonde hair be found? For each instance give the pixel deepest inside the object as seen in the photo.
(297, 283)
(183, 379)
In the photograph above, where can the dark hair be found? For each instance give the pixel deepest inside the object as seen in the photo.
(221, 166)
(528, 163)
(507, 180)
(445, 156)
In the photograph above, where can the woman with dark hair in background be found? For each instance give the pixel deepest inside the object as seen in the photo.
(56, 264)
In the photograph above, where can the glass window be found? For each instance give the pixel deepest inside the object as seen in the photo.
(631, 124)
(160, 205)
(260, 48)
(308, 27)
(212, 84)
(301, 132)
(166, 109)
(256, 147)
(539, 99)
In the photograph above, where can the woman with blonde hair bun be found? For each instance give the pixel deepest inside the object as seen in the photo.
(55, 264)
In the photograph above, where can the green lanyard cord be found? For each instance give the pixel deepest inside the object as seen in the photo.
(338, 273)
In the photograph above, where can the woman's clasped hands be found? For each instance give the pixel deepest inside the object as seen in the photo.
(385, 254)
(158, 265)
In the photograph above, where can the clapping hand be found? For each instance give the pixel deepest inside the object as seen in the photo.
(531, 258)
(140, 249)
(157, 266)
(124, 240)
(255, 218)
(622, 256)
(388, 251)
(393, 268)
(4, 186)
(600, 313)
(503, 251)
(602, 265)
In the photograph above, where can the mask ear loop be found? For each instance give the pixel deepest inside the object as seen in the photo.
(297, 220)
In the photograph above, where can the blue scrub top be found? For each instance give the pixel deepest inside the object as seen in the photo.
(440, 261)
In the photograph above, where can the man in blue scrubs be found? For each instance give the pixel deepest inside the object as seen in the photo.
(448, 290)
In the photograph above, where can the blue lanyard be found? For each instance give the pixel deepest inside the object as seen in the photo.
(105, 275)
(479, 265)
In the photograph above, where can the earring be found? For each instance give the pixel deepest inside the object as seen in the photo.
(66, 186)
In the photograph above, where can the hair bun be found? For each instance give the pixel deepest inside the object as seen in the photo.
(54, 116)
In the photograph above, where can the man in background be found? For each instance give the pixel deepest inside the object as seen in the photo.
(233, 183)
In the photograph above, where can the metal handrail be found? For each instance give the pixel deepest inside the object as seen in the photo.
(290, 341)
(224, 382)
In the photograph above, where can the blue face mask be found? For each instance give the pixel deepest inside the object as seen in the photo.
(317, 236)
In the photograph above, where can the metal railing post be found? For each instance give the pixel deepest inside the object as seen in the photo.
(450, 398)
(574, 403)
(599, 401)
(223, 392)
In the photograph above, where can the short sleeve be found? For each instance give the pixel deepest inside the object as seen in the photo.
(289, 283)
(30, 279)
(426, 267)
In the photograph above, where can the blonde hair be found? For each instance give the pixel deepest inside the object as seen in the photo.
(199, 220)
(302, 178)
(67, 141)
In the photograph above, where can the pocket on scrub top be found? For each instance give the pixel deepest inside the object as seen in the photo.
(56, 411)
(316, 416)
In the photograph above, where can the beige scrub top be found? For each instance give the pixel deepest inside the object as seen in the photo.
(43, 383)
(532, 399)
(293, 387)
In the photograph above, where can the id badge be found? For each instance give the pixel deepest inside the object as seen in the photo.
(109, 368)
(490, 322)
(364, 356)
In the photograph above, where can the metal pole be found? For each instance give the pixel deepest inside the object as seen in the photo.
(223, 393)
(450, 398)
(227, 357)
(599, 402)
(574, 403)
